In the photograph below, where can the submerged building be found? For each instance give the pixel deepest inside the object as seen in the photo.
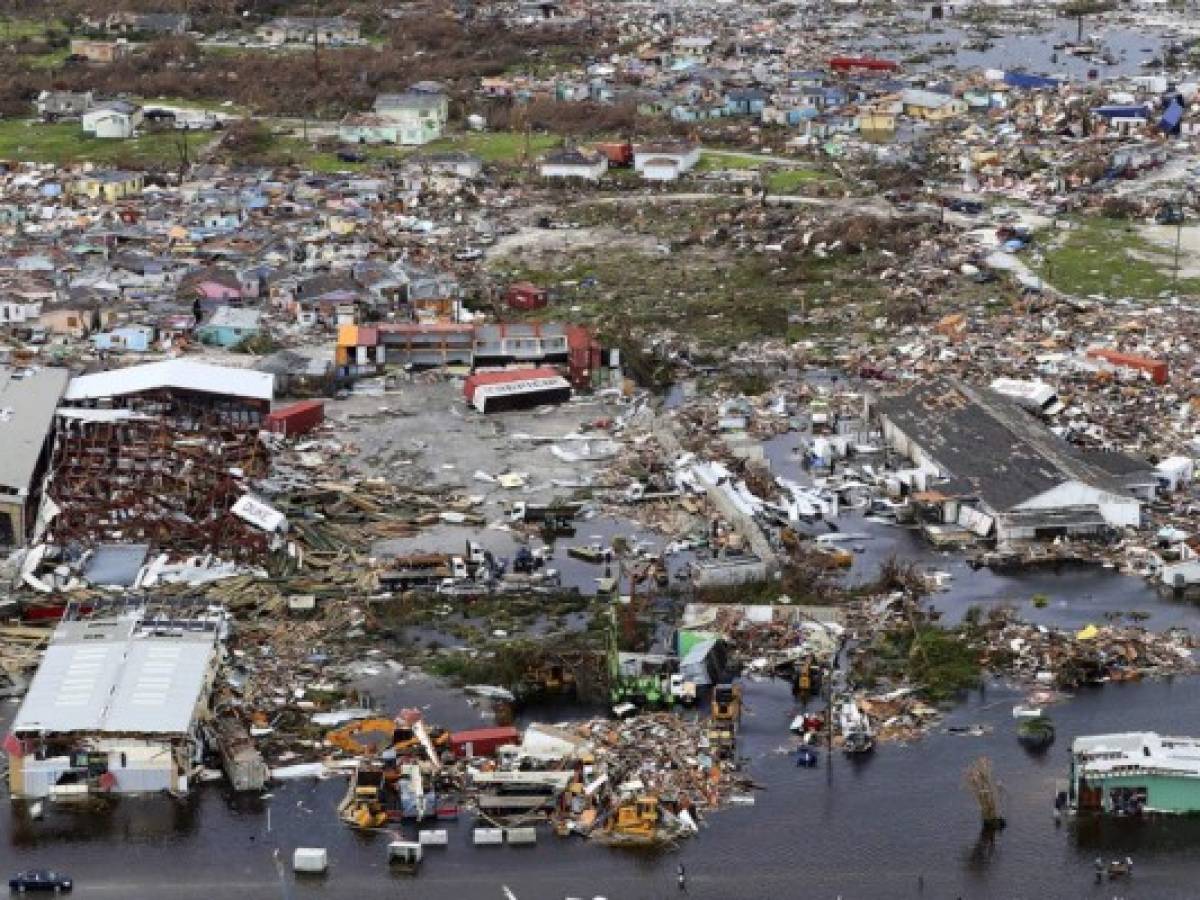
(117, 706)
(1135, 772)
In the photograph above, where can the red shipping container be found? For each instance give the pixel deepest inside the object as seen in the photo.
(1156, 368)
(868, 63)
(483, 741)
(619, 154)
(524, 295)
(298, 418)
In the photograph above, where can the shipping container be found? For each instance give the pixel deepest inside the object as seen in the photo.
(515, 389)
(483, 741)
(298, 418)
(524, 295)
(620, 154)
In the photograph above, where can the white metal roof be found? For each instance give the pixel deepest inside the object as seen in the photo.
(27, 404)
(181, 374)
(1114, 754)
(115, 676)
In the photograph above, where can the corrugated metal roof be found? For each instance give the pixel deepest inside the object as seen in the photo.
(182, 374)
(113, 676)
(27, 404)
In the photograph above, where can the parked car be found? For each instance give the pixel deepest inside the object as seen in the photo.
(968, 207)
(468, 254)
(40, 880)
(351, 156)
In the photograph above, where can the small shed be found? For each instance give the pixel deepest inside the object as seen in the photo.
(526, 295)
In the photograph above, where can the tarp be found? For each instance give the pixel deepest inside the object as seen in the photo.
(1028, 82)
(1087, 634)
(1172, 117)
(1122, 112)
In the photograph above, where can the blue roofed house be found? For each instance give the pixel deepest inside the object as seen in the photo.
(745, 102)
(133, 338)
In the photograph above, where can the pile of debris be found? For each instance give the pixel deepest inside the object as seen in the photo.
(659, 757)
(1093, 655)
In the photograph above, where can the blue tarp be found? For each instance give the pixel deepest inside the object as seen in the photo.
(1028, 82)
(1172, 117)
(1122, 112)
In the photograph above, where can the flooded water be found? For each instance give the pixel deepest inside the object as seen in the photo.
(864, 829)
(1030, 50)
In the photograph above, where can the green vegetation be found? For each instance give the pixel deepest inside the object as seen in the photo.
(788, 181)
(720, 160)
(497, 146)
(26, 29)
(66, 143)
(1101, 256)
(941, 663)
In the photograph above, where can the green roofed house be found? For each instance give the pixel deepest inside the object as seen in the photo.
(230, 326)
(1135, 772)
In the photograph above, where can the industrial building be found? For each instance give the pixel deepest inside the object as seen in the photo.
(116, 706)
(994, 470)
(28, 398)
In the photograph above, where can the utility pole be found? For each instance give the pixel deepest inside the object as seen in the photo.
(316, 42)
(1179, 208)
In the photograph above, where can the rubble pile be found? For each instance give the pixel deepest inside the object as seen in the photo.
(1060, 658)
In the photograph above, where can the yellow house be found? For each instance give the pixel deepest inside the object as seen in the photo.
(932, 106)
(877, 121)
(111, 186)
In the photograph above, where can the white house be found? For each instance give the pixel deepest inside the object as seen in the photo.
(682, 156)
(114, 119)
(571, 164)
(420, 115)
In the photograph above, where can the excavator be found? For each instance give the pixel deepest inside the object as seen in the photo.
(365, 810)
(636, 820)
(727, 705)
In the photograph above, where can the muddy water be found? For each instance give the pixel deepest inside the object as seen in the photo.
(867, 829)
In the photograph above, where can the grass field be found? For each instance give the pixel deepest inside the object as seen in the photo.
(497, 146)
(787, 181)
(716, 161)
(66, 143)
(1103, 256)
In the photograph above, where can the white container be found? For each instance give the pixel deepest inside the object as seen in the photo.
(488, 836)
(434, 837)
(521, 836)
(310, 860)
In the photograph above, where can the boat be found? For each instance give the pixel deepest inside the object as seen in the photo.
(856, 730)
(1036, 733)
(1023, 711)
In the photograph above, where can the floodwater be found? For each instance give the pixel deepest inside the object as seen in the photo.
(1032, 50)
(895, 825)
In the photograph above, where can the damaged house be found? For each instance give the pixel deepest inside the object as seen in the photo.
(116, 706)
(159, 453)
(993, 469)
(27, 402)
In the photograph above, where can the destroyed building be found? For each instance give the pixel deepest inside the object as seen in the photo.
(27, 402)
(158, 453)
(115, 707)
(994, 470)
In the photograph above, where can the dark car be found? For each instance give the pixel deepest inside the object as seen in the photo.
(40, 880)
(969, 207)
(351, 156)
